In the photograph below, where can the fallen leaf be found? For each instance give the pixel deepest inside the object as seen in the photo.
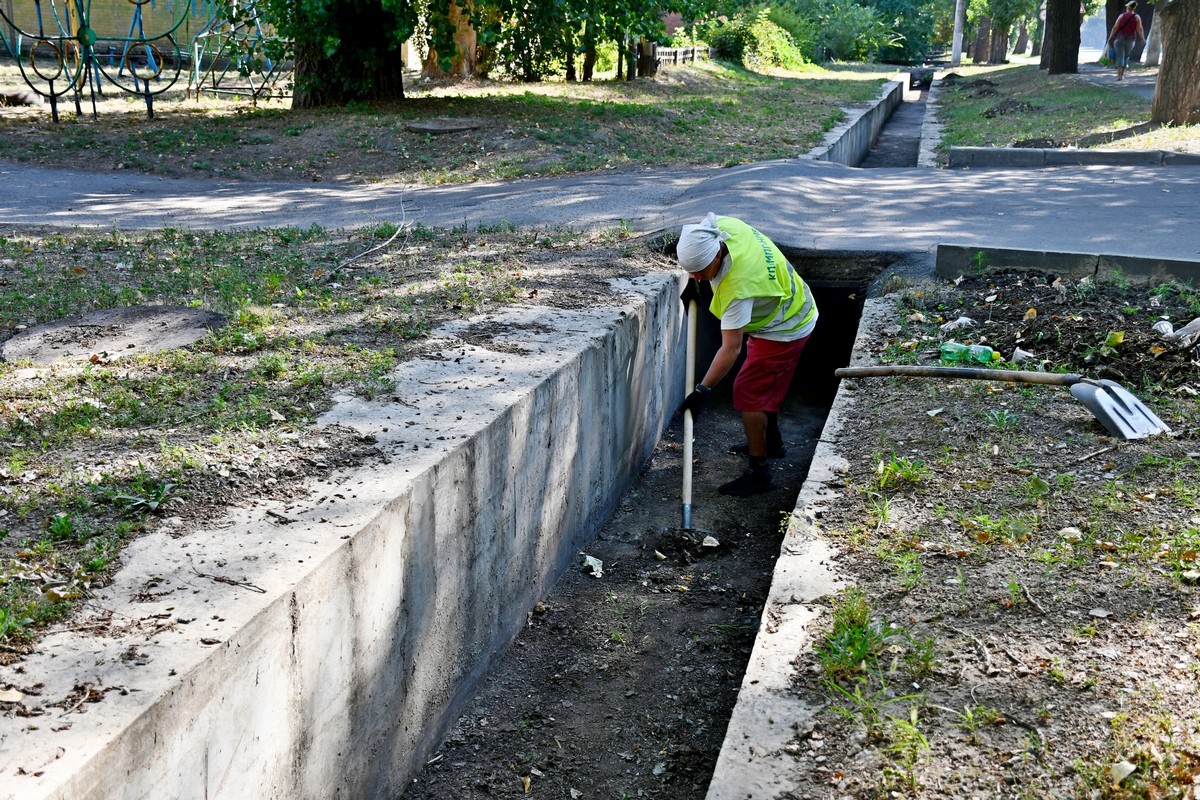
(527, 783)
(1114, 338)
(659, 556)
(1031, 314)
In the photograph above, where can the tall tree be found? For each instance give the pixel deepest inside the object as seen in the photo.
(343, 50)
(981, 51)
(1060, 50)
(452, 40)
(1177, 93)
(1153, 52)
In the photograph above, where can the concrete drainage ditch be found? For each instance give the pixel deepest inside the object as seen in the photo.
(335, 649)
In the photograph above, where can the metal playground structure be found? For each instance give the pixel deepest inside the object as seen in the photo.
(237, 55)
(63, 58)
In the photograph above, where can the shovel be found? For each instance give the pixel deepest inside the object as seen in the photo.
(689, 380)
(1113, 405)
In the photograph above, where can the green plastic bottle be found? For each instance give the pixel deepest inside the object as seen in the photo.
(954, 352)
(981, 354)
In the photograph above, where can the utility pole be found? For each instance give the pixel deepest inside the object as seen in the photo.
(960, 12)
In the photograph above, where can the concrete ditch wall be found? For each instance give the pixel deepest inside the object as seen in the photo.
(953, 260)
(849, 142)
(1037, 157)
(321, 649)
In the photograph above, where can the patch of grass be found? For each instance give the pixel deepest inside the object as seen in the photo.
(1061, 106)
(855, 641)
(895, 472)
(92, 453)
(706, 113)
(1002, 529)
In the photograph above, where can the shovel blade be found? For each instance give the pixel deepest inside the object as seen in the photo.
(1118, 410)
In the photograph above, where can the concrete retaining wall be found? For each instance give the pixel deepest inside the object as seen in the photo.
(954, 260)
(1035, 157)
(849, 142)
(324, 651)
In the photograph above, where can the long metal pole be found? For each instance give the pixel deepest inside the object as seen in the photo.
(689, 384)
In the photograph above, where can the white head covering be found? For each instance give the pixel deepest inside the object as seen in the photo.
(699, 244)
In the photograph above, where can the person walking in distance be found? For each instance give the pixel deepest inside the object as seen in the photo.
(757, 296)
(1126, 32)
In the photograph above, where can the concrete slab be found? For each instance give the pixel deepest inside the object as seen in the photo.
(321, 649)
(953, 260)
(1036, 157)
(820, 206)
(996, 157)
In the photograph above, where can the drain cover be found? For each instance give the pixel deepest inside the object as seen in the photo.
(111, 333)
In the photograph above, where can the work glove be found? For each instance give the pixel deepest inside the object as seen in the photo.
(696, 399)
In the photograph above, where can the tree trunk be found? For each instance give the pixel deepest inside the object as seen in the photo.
(1146, 12)
(630, 58)
(322, 80)
(1112, 10)
(1062, 32)
(1022, 38)
(1177, 93)
(463, 62)
(1039, 33)
(1153, 44)
(999, 46)
(983, 37)
(589, 50)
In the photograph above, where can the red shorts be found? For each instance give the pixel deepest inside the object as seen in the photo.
(766, 374)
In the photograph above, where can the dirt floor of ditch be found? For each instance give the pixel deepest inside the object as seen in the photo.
(621, 686)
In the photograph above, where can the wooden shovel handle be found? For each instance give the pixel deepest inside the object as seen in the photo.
(973, 373)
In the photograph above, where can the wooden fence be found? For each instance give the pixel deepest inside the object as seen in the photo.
(668, 56)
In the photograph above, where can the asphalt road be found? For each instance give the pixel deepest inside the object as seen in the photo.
(1147, 211)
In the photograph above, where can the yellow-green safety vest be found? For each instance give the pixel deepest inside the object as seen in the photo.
(758, 269)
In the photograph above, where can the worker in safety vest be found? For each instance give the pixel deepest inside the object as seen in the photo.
(757, 295)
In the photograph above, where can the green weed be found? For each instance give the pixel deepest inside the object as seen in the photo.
(854, 642)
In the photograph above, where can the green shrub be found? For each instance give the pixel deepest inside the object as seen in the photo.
(755, 42)
(850, 32)
(685, 37)
(803, 29)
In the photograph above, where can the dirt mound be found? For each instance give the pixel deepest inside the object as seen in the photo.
(1005, 107)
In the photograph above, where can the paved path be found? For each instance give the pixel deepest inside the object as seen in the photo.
(1138, 79)
(1147, 211)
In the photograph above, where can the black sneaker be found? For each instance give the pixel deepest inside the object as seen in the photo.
(750, 482)
(773, 451)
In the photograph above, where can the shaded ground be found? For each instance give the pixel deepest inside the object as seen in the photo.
(450, 132)
(1024, 623)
